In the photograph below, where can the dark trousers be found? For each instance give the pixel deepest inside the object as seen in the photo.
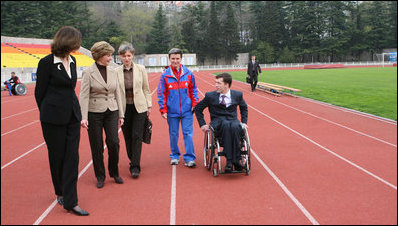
(230, 132)
(97, 122)
(254, 80)
(133, 129)
(63, 153)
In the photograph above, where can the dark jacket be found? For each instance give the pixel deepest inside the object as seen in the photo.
(253, 69)
(55, 92)
(219, 112)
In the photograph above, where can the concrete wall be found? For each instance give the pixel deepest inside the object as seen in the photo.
(242, 59)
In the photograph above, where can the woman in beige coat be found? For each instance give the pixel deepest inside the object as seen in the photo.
(101, 106)
(137, 103)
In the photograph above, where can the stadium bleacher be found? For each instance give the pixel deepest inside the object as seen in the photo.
(16, 55)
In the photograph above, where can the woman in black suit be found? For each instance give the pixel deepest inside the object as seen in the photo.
(60, 115)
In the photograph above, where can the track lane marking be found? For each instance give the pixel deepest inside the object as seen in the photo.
(284, 188)
(4, 166)
(173, 196)
(327, 120)
(322, 147)
(18, 113)
(19, 128)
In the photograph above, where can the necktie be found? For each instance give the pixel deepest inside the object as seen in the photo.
(223, 100)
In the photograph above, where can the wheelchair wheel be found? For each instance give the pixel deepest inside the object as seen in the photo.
(247, 162)
(18, 89)
(208, 152)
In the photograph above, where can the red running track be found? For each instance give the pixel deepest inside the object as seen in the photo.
(312, 163)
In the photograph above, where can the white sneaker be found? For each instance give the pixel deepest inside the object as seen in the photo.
(174, 162)
(190, 164)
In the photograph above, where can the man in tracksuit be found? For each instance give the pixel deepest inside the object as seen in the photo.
(178, 95)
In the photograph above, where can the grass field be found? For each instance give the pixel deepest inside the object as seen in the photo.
(370, 90)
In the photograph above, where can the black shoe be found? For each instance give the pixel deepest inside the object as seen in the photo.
(79, 211)
(228, 167)
(238, 166)
(100, 184)
(118, 180)
(60, 200)
(135, 172)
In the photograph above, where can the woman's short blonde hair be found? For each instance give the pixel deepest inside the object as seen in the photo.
(100, 49)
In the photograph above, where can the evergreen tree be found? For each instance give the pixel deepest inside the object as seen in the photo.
(230, 35)
(213, 34)
(158, 39)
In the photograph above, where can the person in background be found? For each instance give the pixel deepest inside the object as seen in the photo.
(178, 95)
(101, 104)
(253, 68)
(60, 115)
(136, 103)
(13, 80)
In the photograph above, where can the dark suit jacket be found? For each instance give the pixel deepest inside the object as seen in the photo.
(55, 92)
(219, 112)
(253, 67)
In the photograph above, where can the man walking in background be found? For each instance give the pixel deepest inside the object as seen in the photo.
(253, 68)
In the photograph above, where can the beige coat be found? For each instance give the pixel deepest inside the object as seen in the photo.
(142, 93)
(98, 96)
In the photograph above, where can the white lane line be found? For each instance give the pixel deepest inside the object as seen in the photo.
(324, 148)
(286, 190)
(363, 114)
(51, 207)
(329, 121)
(15, 100)
(352, 111)
(173, 196)
(19, 128)
(22, 155)
(54, 203)
(19, 113)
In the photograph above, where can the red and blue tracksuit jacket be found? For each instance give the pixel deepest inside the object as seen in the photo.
(177, 97)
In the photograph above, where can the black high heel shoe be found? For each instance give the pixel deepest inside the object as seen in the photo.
(79, 212)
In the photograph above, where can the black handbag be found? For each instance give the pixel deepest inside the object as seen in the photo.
(249, 79)
(146, 137)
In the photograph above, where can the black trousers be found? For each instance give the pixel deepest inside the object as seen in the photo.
(254, 81)
(97, 122)
(230, 133)
(63, 153)
(133, 129)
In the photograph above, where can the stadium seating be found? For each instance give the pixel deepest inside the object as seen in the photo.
(19, 55)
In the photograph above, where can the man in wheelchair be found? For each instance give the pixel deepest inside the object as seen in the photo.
(12, 81)
(222, 105)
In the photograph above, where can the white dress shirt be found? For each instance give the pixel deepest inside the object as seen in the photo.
(58, 60)
(227, 98)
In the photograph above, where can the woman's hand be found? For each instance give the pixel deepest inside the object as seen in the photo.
(121, 121)
(84, 123)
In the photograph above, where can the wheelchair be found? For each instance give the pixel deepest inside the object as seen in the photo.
(212, 153)
(16, 88)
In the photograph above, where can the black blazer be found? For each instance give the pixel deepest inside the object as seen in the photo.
(55, 92)
(219, 112)
(253, 67)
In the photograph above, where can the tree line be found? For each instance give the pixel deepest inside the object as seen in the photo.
(275, 31)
